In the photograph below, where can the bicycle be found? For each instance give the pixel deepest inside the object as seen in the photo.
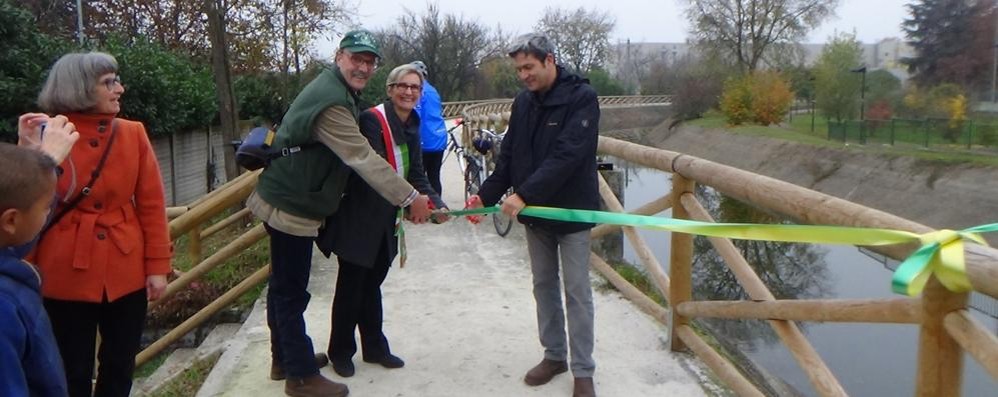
(488, 145)
(476, 167)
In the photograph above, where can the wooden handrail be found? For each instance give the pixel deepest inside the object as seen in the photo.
(971, 335)
(804, 205)
(720, 365)
(647, 257)
(902, 310)
(200, 213)
(201, 316)
(232, 249)
(228, 221)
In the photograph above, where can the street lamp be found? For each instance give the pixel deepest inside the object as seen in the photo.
(862, 92)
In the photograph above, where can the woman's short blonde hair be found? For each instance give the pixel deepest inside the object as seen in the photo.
(396, 74)
(72, 82)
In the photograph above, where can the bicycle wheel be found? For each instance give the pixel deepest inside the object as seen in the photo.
(501, 221)
(472, 182)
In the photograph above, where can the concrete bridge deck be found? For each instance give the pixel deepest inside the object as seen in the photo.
(461, 314)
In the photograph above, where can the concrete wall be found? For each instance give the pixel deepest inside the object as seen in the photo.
(189, 165)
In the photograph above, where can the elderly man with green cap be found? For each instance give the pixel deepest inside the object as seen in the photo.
(298, 191)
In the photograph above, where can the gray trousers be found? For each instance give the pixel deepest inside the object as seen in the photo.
(544, 248)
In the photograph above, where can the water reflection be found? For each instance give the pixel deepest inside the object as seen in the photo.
(789, 270)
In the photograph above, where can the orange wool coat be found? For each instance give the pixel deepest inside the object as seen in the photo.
(115, 237)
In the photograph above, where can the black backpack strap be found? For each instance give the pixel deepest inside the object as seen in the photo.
(93, 179)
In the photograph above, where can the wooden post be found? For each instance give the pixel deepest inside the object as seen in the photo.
(940, 358)
(680, 261)
(194, 244)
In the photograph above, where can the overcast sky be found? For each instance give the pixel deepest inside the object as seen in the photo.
(655, 21)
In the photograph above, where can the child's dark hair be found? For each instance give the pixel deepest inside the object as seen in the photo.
(24, 176)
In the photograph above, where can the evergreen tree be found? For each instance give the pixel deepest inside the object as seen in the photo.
(953, 41)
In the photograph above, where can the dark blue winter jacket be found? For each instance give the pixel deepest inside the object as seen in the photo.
(549, 154)
(30, 364)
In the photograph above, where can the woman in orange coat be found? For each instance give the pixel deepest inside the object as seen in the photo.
(107, 250)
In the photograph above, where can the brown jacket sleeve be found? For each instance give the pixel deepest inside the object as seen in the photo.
(337, 129)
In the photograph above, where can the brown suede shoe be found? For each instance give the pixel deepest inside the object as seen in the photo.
(315, 386)
(277, 372)
(584, 388)
(543, 372)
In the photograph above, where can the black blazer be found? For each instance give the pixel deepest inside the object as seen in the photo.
(365, 221)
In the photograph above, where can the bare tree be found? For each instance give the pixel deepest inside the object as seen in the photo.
(228, 111)
(582, 37)
(452, 48)
(746, 29)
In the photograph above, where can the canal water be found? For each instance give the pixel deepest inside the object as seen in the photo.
(867, 359)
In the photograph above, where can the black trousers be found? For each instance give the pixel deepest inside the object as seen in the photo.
(431, 163)
(357, 304)
(287, 298)
(75, 325)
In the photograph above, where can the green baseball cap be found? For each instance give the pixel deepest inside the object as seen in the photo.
(360, 41)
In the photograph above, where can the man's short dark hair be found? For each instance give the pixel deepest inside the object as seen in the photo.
(536, 44)
(24, 176)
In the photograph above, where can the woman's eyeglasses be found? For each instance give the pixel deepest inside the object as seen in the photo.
(111, 82)
(408, 87)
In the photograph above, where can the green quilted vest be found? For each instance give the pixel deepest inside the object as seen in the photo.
(309, 183)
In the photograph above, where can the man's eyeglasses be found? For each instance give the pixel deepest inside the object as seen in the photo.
(111, 82)
(408, 87)
(360, 60)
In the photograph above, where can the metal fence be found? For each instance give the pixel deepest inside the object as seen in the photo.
(925, 132)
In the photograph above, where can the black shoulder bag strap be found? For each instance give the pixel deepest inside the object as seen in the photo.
(93, 179)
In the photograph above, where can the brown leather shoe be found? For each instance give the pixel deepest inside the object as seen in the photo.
(584, 388)
(543, 372)
(314, 386)
(277, 372)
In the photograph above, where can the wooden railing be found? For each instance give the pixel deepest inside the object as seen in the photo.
(947, 329)
(190, 221)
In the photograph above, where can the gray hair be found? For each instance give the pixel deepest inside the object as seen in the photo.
(396, 74)
(72, 82)
(537, 44)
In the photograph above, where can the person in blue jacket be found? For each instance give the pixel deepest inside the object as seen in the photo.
(432, 128)
(31, 365)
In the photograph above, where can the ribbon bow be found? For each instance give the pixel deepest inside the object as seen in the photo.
(941, 254)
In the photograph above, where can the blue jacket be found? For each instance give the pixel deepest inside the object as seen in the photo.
(30, 364)
(549, 154)
(431, 112)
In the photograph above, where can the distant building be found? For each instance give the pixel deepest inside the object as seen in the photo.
(627, 57)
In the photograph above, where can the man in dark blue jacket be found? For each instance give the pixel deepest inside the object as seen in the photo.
(549, 159)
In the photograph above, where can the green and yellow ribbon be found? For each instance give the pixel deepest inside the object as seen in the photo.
(941, 252)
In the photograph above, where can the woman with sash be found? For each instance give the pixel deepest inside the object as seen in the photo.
(366, 232)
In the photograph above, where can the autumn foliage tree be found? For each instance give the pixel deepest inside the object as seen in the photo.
(763, 97)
